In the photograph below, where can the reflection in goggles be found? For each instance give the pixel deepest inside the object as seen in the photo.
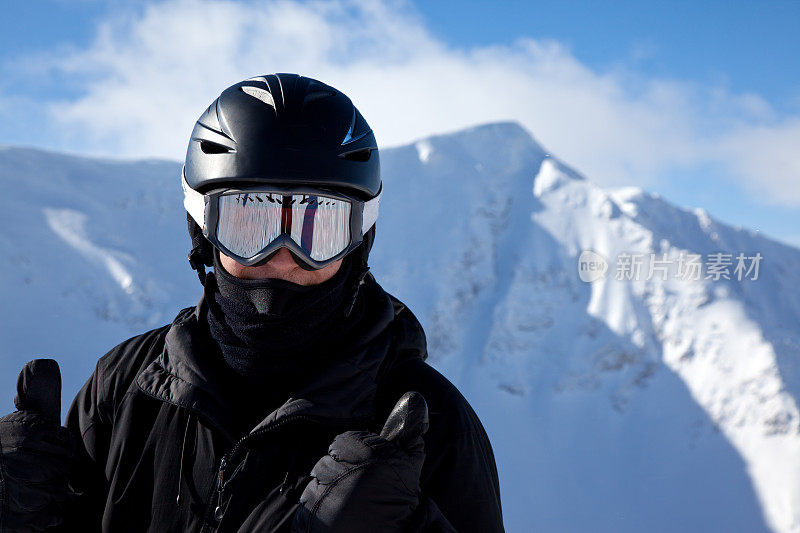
(249, 222)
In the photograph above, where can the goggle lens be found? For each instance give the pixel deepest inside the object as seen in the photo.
(249, 222)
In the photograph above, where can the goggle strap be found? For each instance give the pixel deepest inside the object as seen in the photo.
(370, 214)
(194, 203)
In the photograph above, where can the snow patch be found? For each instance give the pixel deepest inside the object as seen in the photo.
(70, 226)
(424, 151)
(549, 178)
(702, 218)
(605, 207)
(626, 198)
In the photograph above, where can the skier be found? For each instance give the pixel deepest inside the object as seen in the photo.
(295, 396)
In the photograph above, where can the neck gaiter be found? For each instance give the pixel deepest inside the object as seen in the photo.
(272, 329)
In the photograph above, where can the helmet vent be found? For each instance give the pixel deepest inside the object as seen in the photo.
(260, 94)
(361, 155)
(313, 97)
(209, 147)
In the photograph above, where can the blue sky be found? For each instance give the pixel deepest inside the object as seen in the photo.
(699, 101)
(745, 45)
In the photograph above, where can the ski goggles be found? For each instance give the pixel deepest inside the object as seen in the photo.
(250, 224)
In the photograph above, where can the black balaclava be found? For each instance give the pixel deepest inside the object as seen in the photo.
(273, 329)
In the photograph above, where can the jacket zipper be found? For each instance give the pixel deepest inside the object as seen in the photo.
(213, 513)
(210, 520)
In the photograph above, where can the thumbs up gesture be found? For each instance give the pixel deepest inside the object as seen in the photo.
(368, 482)
(35, 452)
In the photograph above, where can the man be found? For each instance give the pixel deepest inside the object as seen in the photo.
(295, 396)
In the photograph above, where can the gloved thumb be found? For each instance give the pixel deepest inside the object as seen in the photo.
(408, 421)
(39, 389)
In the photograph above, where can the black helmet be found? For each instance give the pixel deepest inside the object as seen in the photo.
(283, 129)
(280, 129)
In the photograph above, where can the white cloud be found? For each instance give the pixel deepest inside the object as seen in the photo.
(766, 159)
(148, 75)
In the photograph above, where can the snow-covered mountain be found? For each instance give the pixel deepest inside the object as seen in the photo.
(613, 405)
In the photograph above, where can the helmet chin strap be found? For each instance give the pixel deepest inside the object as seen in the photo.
(361, 266)
(202, 252)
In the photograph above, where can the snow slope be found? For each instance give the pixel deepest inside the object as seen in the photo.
(91, 253)
(650, 405)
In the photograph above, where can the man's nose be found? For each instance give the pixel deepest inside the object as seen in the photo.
(283, 259)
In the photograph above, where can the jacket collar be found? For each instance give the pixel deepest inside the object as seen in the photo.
(344, 391)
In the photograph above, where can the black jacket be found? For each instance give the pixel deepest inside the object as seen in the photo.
(164, 447)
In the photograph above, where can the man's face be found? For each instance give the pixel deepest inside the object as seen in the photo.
(281, 266)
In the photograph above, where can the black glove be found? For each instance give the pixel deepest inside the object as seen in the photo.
(369, 482)
(35, 453)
